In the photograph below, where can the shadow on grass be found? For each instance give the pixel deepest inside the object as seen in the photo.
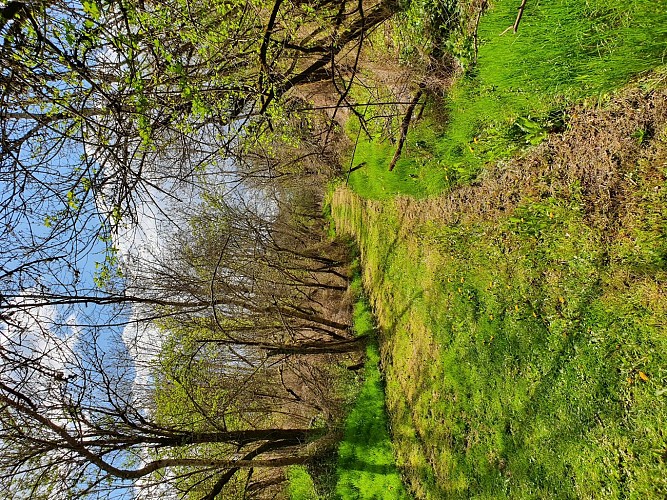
(543, 440)
(366, 467)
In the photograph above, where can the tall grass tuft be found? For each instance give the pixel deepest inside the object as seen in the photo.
(564, 51)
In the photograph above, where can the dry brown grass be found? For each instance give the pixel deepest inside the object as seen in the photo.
(599, 155)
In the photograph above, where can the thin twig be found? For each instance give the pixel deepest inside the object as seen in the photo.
(515, 26)
(518, 16)
(475, 32)
(354, 150)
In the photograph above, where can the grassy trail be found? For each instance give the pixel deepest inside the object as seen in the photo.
(366, 467)
(523, 318)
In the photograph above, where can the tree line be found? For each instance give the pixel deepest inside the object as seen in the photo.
(177, 371)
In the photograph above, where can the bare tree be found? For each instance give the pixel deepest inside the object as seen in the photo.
(103, 104)
(73, 419)
(104, 107)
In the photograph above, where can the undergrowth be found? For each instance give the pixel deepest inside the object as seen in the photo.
(366, 465)
(300, 485)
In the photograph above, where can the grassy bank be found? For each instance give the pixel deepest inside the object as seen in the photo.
(524, 320)
(523, 309)
(520, 90)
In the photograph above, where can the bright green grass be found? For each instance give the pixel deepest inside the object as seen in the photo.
(412, 175)
(564, 51)
(366, 467)
(300, 484)
(525, 357)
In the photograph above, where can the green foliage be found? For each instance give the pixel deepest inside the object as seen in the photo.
(564, 51)
(188, 386)
(109, 269)
(428, 28)
(192, 394)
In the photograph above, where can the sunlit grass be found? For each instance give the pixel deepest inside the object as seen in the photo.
(300, 484)
(413, 174)
(524, 353)
(524, 357)
(564, 51)
(366, 466)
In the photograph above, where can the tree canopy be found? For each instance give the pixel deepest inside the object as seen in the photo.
(107, 107)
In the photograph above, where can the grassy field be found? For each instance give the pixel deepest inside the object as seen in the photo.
(523, 310)
(525, 352)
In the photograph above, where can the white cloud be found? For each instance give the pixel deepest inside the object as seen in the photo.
(36, 342)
